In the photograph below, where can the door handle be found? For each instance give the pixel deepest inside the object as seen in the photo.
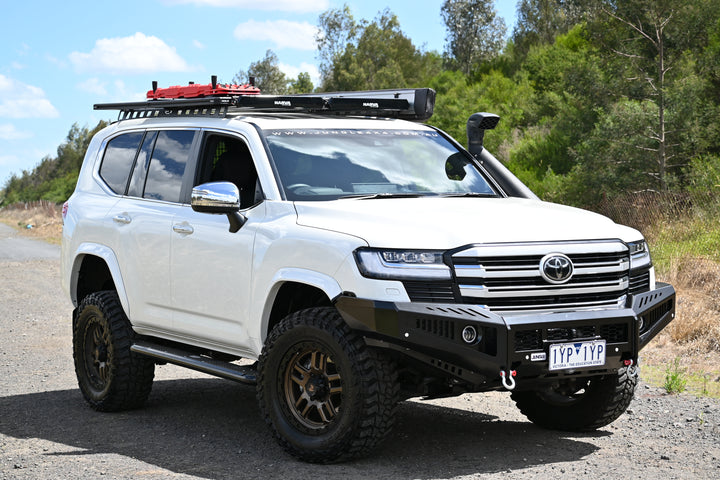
(123, 218)
(183, 229)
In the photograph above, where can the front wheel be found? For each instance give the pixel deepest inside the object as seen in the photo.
(579, 405)
(110, 376)
(325, 395)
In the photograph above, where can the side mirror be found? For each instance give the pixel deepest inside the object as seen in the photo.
(221, 198)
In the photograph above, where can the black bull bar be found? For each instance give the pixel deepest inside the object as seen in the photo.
(475, 345)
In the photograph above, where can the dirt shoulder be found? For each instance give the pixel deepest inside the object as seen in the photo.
(39, 220)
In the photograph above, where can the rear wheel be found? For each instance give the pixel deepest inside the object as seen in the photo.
(579, 405)
(110, 376)
(325, 395)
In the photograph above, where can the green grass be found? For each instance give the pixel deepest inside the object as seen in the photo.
(697, 236)
(675, 378)
(704, 384)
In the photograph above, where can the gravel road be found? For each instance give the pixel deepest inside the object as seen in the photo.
(199, 427)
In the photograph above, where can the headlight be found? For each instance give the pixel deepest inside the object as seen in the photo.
(639, 254)
(402, 264)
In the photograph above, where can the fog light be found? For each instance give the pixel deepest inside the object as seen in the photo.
(469, 334)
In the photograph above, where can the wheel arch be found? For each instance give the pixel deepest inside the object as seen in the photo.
(95, 268)
(293, 290)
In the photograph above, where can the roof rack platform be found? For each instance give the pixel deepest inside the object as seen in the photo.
(219, 100)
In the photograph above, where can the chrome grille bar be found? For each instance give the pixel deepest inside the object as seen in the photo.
(494, 274)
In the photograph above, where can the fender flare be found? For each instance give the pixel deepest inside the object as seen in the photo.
(108, 256)
(321, 281)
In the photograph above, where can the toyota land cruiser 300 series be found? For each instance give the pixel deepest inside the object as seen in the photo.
(358, 256)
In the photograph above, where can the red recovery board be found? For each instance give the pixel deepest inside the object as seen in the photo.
(196, 91)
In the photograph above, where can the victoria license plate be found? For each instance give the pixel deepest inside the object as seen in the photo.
(564, 356)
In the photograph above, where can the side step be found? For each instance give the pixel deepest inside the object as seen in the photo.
(230, 371)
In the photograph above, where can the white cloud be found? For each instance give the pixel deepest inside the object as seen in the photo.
(94, 86)
(292, 71)
(275, 5)
(285, 34)
(135, 54)
(57, 62)
(20, 100)
(123, 93)
(198, 44)
(9, 132)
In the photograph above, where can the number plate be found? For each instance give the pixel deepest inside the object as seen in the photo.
(565, 356)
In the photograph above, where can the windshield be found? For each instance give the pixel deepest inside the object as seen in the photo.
(329, 164)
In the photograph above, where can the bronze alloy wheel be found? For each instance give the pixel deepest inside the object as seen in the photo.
(98, 355)
(324, 394)
(313, 388)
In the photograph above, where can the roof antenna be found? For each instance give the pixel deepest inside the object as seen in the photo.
(154, 85)
(213, 81)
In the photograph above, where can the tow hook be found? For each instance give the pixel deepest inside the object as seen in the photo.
(508, 379)
(632, 369)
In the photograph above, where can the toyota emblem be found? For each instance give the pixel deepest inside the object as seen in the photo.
(556, 268)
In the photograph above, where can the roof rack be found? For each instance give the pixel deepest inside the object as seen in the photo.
(218, 100)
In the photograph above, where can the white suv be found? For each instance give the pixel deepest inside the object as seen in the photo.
(359, 257)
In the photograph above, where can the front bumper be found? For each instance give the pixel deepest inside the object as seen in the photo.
(433, 334)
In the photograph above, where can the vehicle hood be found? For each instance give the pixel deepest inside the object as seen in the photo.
(445, 223)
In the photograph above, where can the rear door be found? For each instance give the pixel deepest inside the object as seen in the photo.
(142, 219)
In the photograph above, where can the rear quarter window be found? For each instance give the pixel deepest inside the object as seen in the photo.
(118, 160)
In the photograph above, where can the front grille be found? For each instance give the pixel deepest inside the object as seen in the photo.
(506, 278)
(527, 340)
(639, 282)
(555, 334)
(615, 333)
(430, 292)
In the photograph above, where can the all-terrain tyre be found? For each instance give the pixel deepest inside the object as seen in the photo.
(580, 405)
(110, 376)
(324, 394)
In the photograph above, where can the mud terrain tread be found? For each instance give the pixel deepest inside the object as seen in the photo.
(131, 375)
(375, 381)
(607, 399)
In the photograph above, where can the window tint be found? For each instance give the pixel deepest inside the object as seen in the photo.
(137, 181)
(118, 160)
(167, 167)
(228, 159)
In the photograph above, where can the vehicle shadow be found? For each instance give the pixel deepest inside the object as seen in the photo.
(212, 429)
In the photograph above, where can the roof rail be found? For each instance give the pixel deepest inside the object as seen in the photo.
(219, 100)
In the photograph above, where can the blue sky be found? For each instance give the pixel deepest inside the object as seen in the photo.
(59, 58)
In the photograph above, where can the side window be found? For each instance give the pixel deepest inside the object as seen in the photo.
(228, 159)
(137, 180)
(167, 166)
(118, 160)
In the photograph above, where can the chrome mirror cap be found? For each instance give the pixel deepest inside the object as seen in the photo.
(215, 197)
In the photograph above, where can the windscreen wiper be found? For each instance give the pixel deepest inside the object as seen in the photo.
(470, 194)
(371, 196)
